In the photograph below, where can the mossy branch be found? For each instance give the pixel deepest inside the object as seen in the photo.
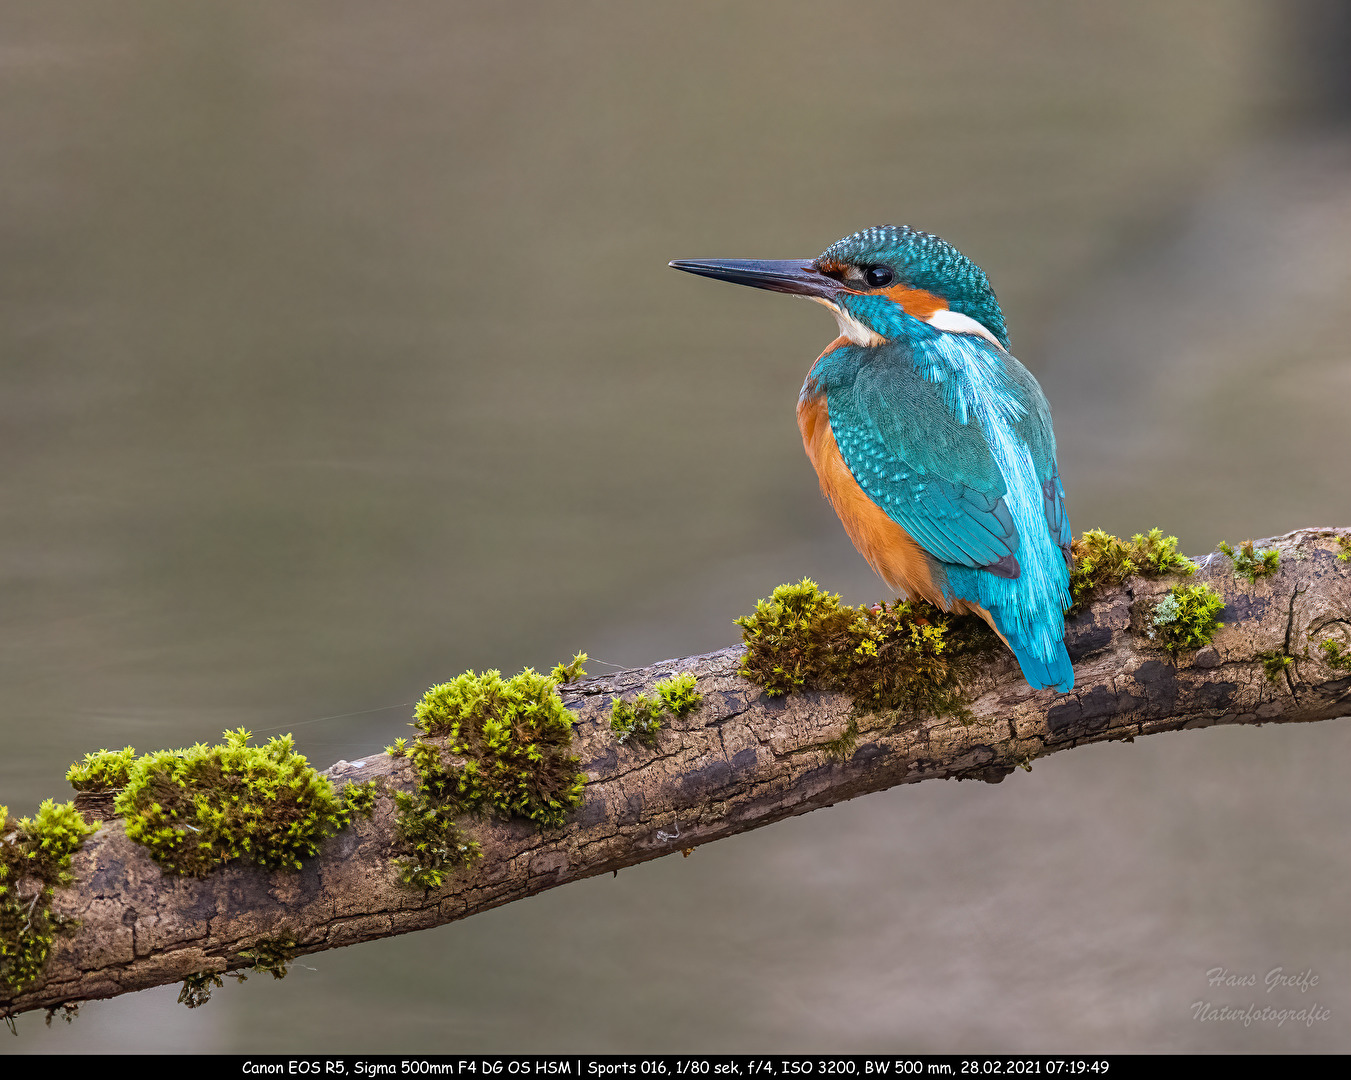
(728, 757)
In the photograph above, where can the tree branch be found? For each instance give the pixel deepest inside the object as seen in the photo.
(739, 761)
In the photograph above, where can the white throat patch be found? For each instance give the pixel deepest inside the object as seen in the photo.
(850, 327)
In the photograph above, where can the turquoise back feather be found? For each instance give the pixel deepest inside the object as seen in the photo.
(951, 437)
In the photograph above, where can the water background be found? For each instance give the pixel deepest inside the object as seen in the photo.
(338, 354)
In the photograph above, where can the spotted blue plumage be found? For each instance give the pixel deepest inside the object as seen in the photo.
(943, 430)
(951, 437)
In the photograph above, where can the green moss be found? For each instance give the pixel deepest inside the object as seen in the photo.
(679, 694)
(794, 640)
(105, 770)
(196, 989)
(1274, 664)
(1187, 617)
(571, 672)
(1101, 559)
(507, 752)
(430, 843)
(1344, 543)
(913, 657)
(907, 656)
(515, 736)
(358, 800)
(199, 808)
(35, 856)
(1252, 565)
(842, 746)
(272, 955)
(639, 720)
(1335, 656)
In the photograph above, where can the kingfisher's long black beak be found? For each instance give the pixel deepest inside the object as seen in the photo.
(797, 276)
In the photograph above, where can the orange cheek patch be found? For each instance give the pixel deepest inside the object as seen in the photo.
(916, 302)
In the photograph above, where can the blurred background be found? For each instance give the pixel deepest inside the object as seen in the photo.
(339, 354)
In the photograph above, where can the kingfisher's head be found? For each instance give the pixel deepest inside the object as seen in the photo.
(875, 281)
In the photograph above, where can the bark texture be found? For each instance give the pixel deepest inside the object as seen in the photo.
(739, 761)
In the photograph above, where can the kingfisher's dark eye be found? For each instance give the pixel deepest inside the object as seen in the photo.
(878, 276)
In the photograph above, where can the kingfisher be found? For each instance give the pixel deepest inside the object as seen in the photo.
(932, 443)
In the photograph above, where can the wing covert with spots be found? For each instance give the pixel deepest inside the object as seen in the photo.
(932, 475)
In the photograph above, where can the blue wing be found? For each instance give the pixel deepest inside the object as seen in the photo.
(914, 421)
(930, 473)
(1034, 428)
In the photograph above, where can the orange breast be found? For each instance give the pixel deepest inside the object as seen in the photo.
(889, 549)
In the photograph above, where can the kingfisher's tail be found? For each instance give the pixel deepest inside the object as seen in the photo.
(1043, 672)
(1037, 642)
(1057, 673)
